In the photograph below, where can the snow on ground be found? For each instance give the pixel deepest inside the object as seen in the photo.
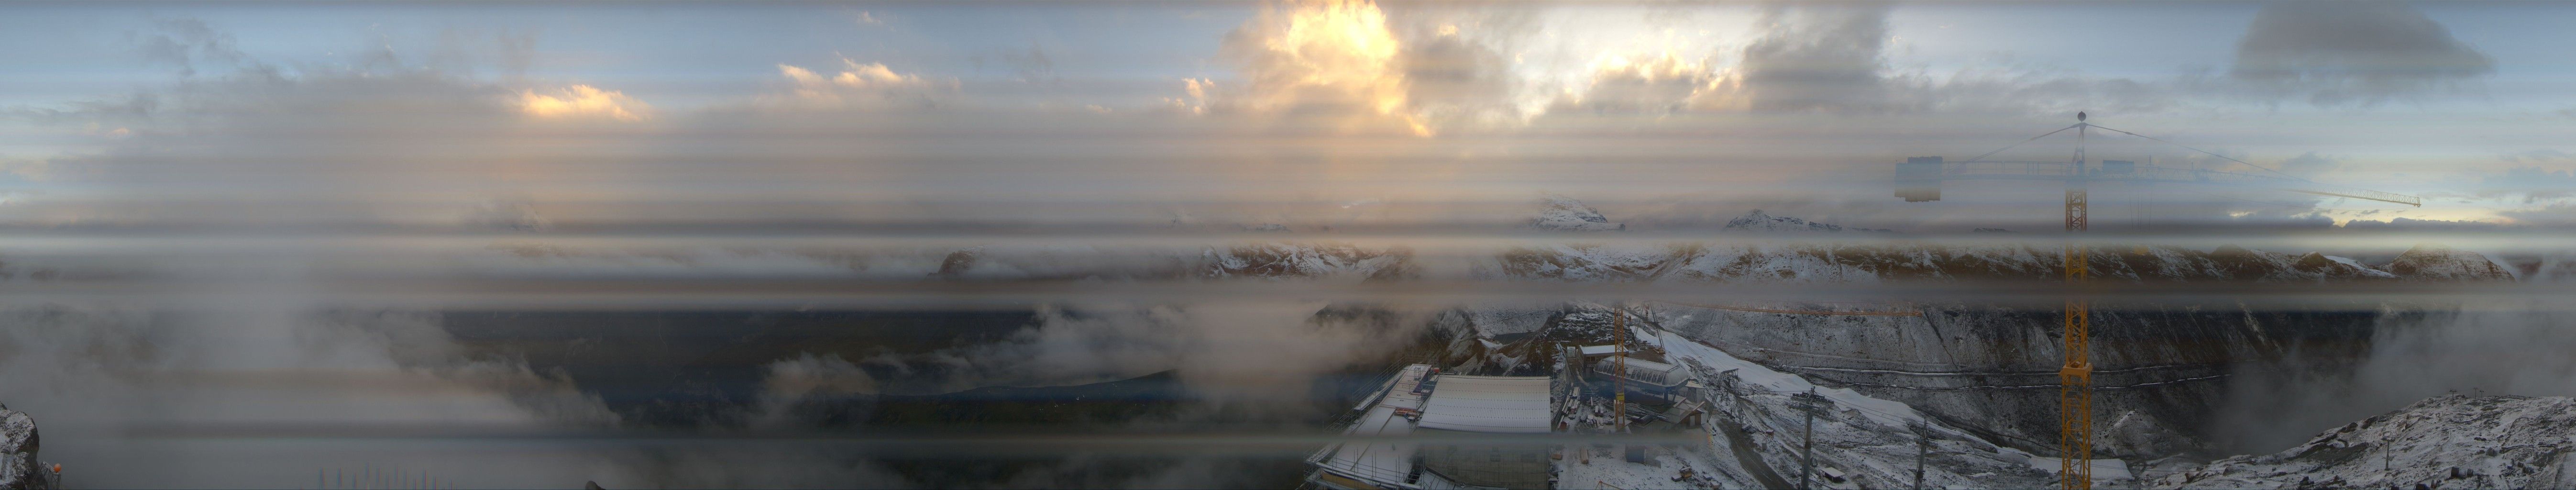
(2450, 441)
(1864, 440)
(1860, 441)
(2364, 269)
(1607, 469)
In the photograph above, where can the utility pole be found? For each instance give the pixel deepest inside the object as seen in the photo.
(1810, 403)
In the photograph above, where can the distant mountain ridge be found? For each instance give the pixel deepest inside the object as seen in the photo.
(1760, 221)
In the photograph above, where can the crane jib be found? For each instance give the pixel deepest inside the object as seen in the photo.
(1919, 180)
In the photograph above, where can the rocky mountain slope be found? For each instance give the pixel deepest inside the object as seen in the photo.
(19, 468)
(2451, 441)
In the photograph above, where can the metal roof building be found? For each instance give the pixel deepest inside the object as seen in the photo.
(1495, 404)
(1417, 399)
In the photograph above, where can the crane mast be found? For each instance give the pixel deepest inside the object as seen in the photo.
(1919, 179)
(2075, 379)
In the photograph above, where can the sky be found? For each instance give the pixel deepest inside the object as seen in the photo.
(1801, 105)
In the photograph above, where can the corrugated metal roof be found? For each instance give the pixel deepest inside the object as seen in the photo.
(1379, 459)
(1488, 404)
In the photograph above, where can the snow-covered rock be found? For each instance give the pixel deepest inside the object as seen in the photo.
(1565, 213)
(2450, 441)
(18, 466)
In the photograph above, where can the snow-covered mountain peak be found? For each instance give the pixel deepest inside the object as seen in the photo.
(1564, 213)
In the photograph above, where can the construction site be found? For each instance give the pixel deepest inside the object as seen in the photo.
(1791, 394)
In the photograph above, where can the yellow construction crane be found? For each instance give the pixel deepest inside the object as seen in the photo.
(1919, 179)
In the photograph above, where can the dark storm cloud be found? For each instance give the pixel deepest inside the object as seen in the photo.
(2337, 53)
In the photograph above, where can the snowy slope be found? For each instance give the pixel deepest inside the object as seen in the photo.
(1756, 434)
(2451, 441)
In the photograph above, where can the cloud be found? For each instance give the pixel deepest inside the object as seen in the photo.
(584, 102)
(1832, 58)
(186, 43)
(1452, 82)
(861, 86)
(1349, 66)
(2533, 183)
(2421, 224)
(1226, 351)
(1662, 83)
(2307, 165)
(2539, 155)
(1031, 65)
(2560, 215)
(1818, 58)
(1333, 63)
(2358, 53)
(2490, 347)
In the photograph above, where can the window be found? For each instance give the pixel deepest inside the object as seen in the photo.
(1493, 456)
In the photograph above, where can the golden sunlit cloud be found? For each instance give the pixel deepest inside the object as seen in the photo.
(1333, 53)
(861, 85)
(584, 102)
